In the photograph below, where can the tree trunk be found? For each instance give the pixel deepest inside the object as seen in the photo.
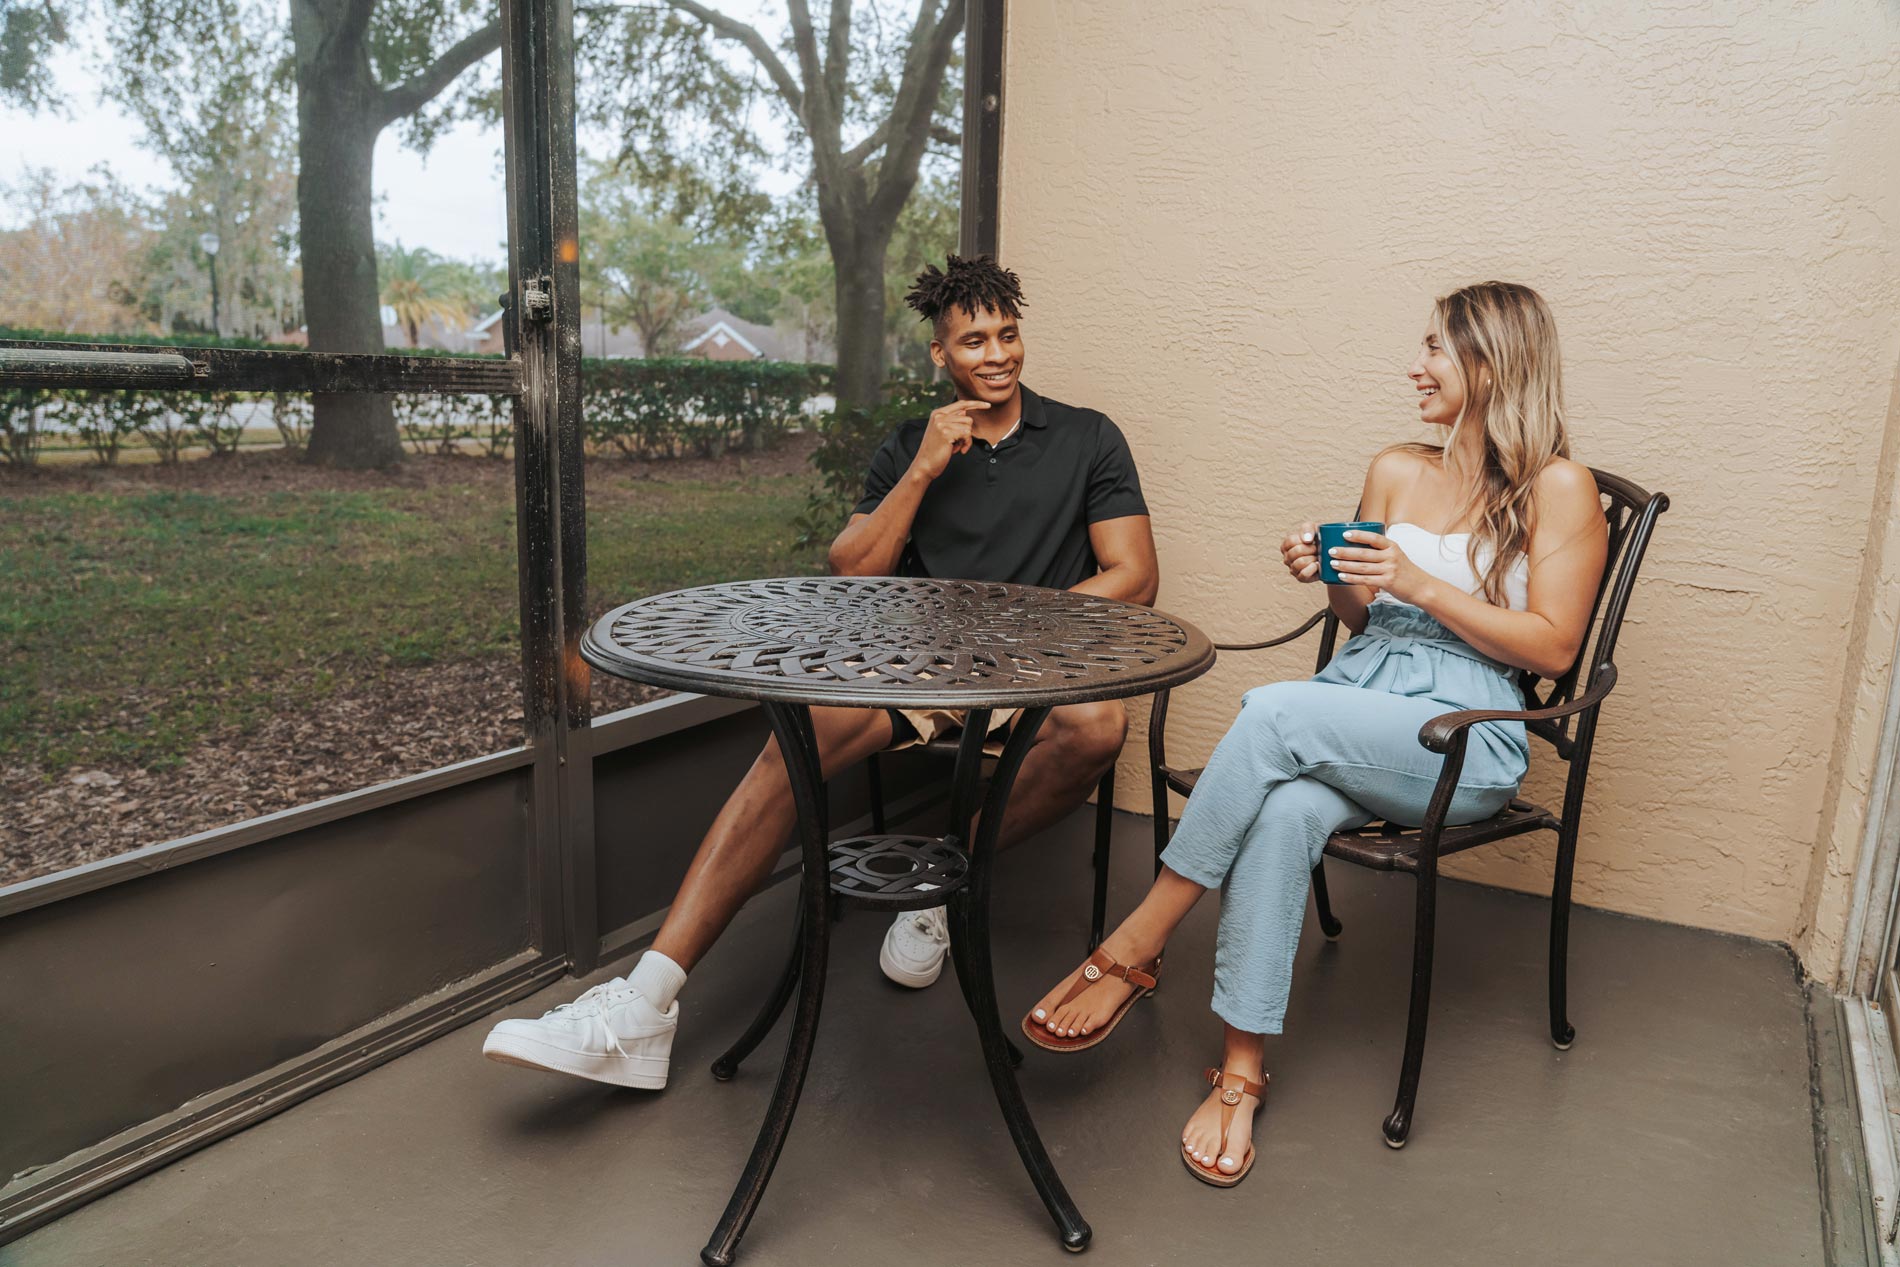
(858, 265)
(337, 124)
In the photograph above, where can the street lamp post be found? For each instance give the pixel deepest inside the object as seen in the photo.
(208, 243)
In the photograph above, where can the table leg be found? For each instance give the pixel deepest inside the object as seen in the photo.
(798, 744)
(728, 1064)
(964, 783)
(970, 927)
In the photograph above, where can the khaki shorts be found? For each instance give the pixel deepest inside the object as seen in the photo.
(926, 724)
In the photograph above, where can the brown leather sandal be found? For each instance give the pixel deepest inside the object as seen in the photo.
(1232, 1087)
(1100, 964)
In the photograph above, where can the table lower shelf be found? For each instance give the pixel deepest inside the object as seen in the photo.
(897, 873)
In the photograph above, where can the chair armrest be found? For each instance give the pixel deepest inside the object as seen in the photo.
(1437, 734)
(1311, 621)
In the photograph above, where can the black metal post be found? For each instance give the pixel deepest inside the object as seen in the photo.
(982, 125)
(542, 332)
(798, 744)
(970, 925)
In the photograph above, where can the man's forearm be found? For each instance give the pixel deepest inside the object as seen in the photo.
(874, 545)
(1126, 582)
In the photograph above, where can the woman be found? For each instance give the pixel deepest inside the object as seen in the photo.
(1494, 545)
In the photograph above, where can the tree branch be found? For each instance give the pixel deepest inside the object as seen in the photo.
(868, 146)
(354, 22)
(405, 99)
(838, 54)
(732, 29)
(939, 133)
(821, 107)
(915, 107)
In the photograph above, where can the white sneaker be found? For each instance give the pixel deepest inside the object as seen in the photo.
(612, 1033)
(913, 950)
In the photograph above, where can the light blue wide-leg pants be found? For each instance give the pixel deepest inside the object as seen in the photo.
(1306, 759)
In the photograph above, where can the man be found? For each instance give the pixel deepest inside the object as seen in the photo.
(1001, 485)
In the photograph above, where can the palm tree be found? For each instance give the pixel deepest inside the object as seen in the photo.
(420, 286)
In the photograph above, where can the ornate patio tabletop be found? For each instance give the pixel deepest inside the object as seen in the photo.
(896, 642)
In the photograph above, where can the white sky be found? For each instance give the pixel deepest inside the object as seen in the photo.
(450, 201)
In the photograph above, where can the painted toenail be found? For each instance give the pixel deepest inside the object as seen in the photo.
(1040, 1014)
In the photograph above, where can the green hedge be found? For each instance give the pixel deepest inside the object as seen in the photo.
(657, 408)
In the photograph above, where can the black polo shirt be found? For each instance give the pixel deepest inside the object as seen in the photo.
(1019, 512)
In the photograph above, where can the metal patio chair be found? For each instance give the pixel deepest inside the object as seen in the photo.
(1558, 714)
(1104, 824)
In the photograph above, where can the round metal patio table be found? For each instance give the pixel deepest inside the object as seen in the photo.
(892, 642)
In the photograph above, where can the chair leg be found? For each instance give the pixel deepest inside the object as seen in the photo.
(1161, 818)
(1104, 826)
(1328, 923)
(1398, 1126)
(875, 775)
(1562, 1033)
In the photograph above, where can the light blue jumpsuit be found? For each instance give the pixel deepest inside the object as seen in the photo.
(1306, 759)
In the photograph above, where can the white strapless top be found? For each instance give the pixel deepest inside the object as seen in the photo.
(1444, 557)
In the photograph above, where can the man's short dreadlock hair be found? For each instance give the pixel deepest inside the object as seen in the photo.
(970, 284)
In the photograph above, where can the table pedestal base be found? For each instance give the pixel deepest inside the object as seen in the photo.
(804, 972)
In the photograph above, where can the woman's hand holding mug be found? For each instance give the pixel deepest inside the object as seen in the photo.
(1372, 560)
(1300, 552)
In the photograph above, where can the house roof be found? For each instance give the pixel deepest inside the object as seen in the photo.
(719, 332)
(598, 338)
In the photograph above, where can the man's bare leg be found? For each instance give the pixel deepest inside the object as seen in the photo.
(621, 1031)
(753, 828)
(1073, 750)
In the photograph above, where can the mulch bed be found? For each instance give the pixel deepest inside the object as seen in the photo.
(402, 722)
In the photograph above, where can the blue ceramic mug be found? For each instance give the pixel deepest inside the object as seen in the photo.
(1332, 536)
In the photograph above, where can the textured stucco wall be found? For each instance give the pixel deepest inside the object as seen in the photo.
(1231, 219)
(1873, 629)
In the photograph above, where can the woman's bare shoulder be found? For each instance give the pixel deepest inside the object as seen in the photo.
(1397, 466)
(1564, 484)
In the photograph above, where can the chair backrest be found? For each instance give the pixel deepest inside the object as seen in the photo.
(1630, 512)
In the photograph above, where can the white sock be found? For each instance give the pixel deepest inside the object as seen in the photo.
(657, 977)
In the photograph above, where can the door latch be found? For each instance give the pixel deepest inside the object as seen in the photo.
(537, 301)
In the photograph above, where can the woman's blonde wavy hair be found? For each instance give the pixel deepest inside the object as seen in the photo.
(1504, 342)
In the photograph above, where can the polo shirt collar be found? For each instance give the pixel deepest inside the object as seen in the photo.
(1033, 413)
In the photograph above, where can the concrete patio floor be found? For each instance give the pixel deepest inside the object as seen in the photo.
(1678, 1130)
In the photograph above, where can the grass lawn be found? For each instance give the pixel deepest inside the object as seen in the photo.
(136, 620)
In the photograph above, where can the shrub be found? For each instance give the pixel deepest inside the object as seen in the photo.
(103, 418)
(163, 428)
(432, 422)
(20, 425)
(291, 414)
(669, 406)
(661, 407)
(213, 424)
